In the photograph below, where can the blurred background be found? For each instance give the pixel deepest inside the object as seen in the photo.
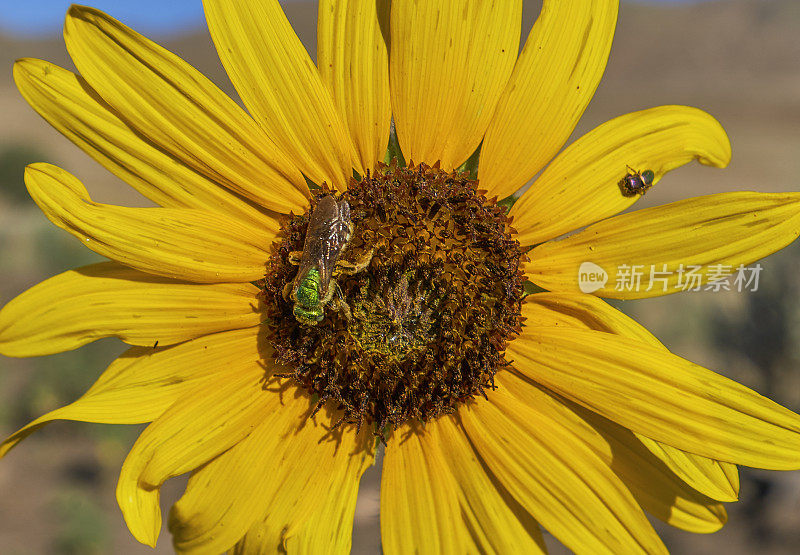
(737, 59)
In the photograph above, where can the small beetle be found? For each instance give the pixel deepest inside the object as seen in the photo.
(636, 183)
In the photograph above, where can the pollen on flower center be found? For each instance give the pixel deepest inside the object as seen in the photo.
(421, 302)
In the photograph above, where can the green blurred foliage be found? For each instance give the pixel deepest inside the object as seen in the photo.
(83, 526)
(60, 378)
(13, 159)
(31, 250)
(60, 251)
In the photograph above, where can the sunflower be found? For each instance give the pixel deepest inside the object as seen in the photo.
(298, 300)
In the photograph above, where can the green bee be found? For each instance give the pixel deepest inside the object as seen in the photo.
(329, 231)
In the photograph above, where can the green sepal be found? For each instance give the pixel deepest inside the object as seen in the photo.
(393, 151)
(471, 165)
(530, 288)
(508, 202)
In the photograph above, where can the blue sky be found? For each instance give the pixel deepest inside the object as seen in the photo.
(45, 17)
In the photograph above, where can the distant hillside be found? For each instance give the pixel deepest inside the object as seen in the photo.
(722, 48)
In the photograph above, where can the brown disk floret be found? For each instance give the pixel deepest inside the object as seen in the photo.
(430, 315)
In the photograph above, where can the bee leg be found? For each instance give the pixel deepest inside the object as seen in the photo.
(340, 304)
(294, 257)
(329, 294)
(349, 268)
(287, 291)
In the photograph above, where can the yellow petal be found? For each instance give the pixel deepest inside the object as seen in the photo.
(144, 381)
(419, 499)
(449, 63)
(329, 529)
(185, 244)
(581, 186)
(285, 470)
(554, 79)
(67, 102)
(497, 522)
(732, 472)
(661, 250)
(204, 422)
(576, 310)
(661, 396)
(111, 300)
(140, 508)
(280, 85)
(177, 108)
(658, 490)
(708, 476)
(557, 477)
(354, 65)
(716, 479)
(225, 496)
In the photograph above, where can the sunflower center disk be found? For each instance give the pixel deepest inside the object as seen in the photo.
(421, 327)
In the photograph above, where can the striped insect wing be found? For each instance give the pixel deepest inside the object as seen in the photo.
(344, 216)
(325, 238)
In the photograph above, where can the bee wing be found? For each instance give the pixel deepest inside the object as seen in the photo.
(322, 244)
(327, 262)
